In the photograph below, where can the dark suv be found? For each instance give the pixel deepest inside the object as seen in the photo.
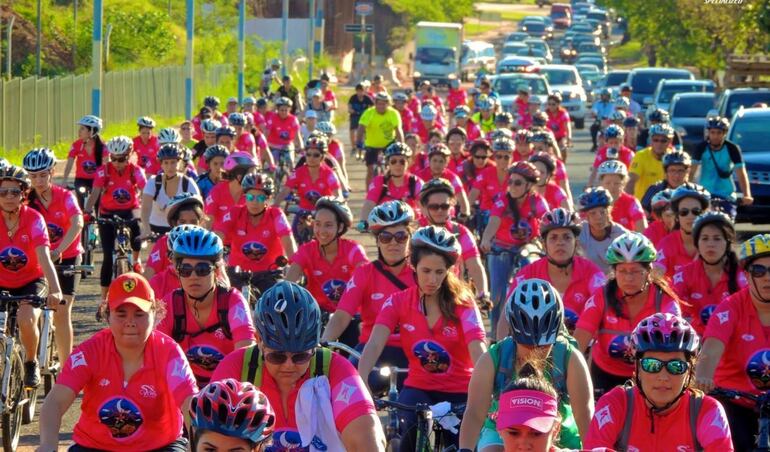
(749, 131)
(733, 99)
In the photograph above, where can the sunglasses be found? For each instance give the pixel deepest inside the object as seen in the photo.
(259, 198)
(119, 159)
(397, 162)
(654, 366)
(516, 182)
(387, 237)
(685, 211)
(434, 207)
(552, 104)
(279, 358)
(660, 140)
(502, 157)
(757, 270)
(480, 157)
(200, 269)
(313, 155)
(10, 192)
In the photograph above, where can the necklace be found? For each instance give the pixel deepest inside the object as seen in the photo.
(12, 229)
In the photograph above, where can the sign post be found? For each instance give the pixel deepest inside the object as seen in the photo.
(362, 9)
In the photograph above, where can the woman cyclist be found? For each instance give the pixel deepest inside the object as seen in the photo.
(598, 230)
(373, 282)
(171, 181)
(491, 181)
(559, 122)
(328, 261)
(116, 189)
(552, 193)
(146, 146)
(462, 119)
(534, 314)
(574, 277)
(632, 293)
(735, 346)
(441, 330)
(544, 142)
(612, 150)
(513, 222)
(214, 156)
(26, 267)
(231, 416)
(438, 158)
(283, 131)
(244, 140)
(228, 193)
(313, 179)
(336, 148)
(209, 129)
(663, 217)
(626, 210)
(396, 184)
(64, 221)
(87, 154)
(714, 275)
(167, 280)
(678, 248)
(661, 410)
(282, 364)
(184, 208)
(485, 115)
(136, 382)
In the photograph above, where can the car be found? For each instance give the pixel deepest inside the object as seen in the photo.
(688, 112)
(561, 14)
(666, 89)
(511, 48)
(537, 30)
(515, 64)
(643, 81)
(590, 74)
(580, 38)
(532, 53)
(541, 45)
(566, 80)
(603, 17)
(597, 61)
(476, 54)
(733, 99)
(516, 36)
(749, 131)
(591, 47)
(507, 86)
(581, 27)
(612, 81)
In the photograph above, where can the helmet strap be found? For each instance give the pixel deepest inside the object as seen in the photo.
(561, 265)
(719, 261)
(653, 408)
(395, 264)
(632, 295)
(200, 299)
(756, 289)
(169, 177)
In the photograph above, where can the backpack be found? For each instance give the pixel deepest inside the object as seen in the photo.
(159, 185)
(696, 400)
(386, 180)
(179, 328)
(252, 365)
(559, 360)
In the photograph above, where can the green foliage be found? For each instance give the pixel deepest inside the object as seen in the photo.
(436, 11)
(472, 29)
(139, 37)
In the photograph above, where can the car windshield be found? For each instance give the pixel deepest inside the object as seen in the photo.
(597, 15)
(508, 86)
(488, 52)
(535, 26)
(434, 55)
(558, 14)
(696, 107)
(738, 100)
(751, 133)
(616, 78)
(559, 76)
(646, 82)
(668, 92)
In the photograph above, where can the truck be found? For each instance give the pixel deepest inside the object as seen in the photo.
(437, 52)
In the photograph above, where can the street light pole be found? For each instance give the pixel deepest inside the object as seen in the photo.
(9, 37)
(241, 48)
(311, 41)
(39, 37)
(96, 59)
(188, 82)
(285, 36)
(75, 34)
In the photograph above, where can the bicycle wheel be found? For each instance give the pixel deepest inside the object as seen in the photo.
(121, 266)
(50, 358)
(11, 421)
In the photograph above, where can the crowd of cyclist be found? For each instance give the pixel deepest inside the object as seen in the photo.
(630, 291)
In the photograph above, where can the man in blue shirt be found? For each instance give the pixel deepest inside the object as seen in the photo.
(718, 160)
(602, 110)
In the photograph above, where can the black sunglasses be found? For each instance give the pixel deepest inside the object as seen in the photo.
(683, 212)
(757, 270)
(434, 207)
(387, 237)
(200, 269)
(279, 358)
(480, 157)
(14, 192)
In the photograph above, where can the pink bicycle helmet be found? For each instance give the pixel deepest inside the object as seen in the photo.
(239, 159)
(664, 332)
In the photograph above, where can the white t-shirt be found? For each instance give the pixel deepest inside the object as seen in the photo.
(595, 250)
(158, 213)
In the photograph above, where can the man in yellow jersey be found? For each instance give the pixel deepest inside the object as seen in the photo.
(647, 166)
(378, 127)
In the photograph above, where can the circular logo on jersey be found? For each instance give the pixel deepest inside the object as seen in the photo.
(121, 416)
(254, 250)
(521, 230)
(121, 195)
(13, 258)
(55, 233)
(283, 134)
(758, 369)
(570, 319)
(89, 167)
(620, 348)
(705, 313)
(312, 196)
(432, 356)
(287, 441)
(144, 161)
(333, 289)
(205, 357)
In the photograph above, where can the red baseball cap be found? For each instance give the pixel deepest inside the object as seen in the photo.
(535, 409)
(130, 288)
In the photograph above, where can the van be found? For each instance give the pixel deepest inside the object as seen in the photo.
(561, 14)
(475, 55)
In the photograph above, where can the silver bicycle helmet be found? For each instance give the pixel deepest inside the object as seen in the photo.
(169, 135)
(390, 213)
(535, 313)
(437, 239)
(119, 146)
(145, 121)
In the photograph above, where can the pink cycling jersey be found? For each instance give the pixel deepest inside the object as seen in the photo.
(560, 175)
(554, 195)
(655, 231)
(254, 247)
(59, 215)
(205, 349)
(531, 210)
(468, 247)
(281, 131)
(147, 154)
(447, 174)
(394, 193)
(456, 98)
(424, 132)
(669, 431)
(625, 155)
(473, 130)
(408, 120)
(586, 278)
(336, 150)
(85, 164)
(308, 190)
(246, 143)
(158, 259)
(220, 201)
(139, 414)
(18, 259)
(327, 280)
(612, 352)
(489, 186)
(627, 210)
(119, 188)
(164, 282)
(438, 355)
(558, 122)
(457, 162)
(366, 292)
(672, 255)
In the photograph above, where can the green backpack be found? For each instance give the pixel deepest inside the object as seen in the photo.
(252, 364)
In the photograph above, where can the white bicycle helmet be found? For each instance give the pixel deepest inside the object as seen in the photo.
(438, 239)
(631, 247)
(94, 122)
(535, 313)
(400, 97)
(382, 96)
(210, 125)
(119, 146)
(612, 167)
(145, 121)
(390, 213)
(326, 128)
(428, 112)
(169, 135)
(39, 159)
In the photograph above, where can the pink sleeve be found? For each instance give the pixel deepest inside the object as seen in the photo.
(350, 399)
(635, 210)
(240, 321)
(99, 179)
(679, 286)
(302, 256)
(468, 245)
(154, 260)
(598, 159)
(598, 279)
(457, 184)
(357, 255)
(713, 430)
(607, 421)
(71, 207)
(354, 292)
(77, 370)
(72, 153)
(498, 208)
(179, 375)
(166, 324)
(333, 181)
(291, 182)
(671, 306)
(39, 232)
(141, 180)
(282, 227)
(388, 315)
(591, 317)
(375, 187)
(473, 326)
(231, 366)
(224, 224)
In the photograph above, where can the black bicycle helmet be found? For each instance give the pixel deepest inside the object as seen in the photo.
(340, 209)
(170, 151)
(397, 148)
(15, 173)
(676, 158)
(436, 185)
(214, 151)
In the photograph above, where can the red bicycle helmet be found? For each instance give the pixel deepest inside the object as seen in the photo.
(526, 170)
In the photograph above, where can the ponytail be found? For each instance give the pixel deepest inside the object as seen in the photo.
(98, 150)
(731, 266)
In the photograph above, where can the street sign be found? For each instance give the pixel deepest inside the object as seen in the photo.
(363, 8)
(359, 28)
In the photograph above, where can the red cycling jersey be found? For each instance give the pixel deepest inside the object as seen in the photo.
(394, 192)
(336, 150)
(558, 122)
(308, 190)
(408, 120)
(139, 414)
(61, 211)
(438, 355)
(424, 132)
(147, 154)
(326, 280)
(625, 155)
(456, 98)
(473, 131)
(531, 210)
(489, 186)
(699, 296)
(554, 195)
(254, 247)
(669, 431)
(612, 352)
(246, 143)
(281, 132)
(164, 282)
(85, 164)
(456, 163)
(447, 174)
(655, 231)
(18, 260)
(220, 201)
(672, 255)
(158, 259)
(627, 210)
(119, 188)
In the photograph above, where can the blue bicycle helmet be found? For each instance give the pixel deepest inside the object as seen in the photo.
(214, 151)
(170, 151)
(594, 197)
(288, 319)
(662, 129)
(676, 158)
(198, 243)
(39, 159)
(690, 190)
(535, 313)
(236, 119)
(613, 131)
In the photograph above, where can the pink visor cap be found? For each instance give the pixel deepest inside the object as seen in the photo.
(534, 409)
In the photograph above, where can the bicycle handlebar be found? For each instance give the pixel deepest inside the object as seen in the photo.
(384, 371)
(456, 408)
(69, 270)
(35, 300)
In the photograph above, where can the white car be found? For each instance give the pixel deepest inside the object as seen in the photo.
(565, 79)
(475, 55)
(507, 85)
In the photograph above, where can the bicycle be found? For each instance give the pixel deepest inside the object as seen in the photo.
(761, 403)
(15, 399)
(284, 165)
(122, 260)
(302, 224)
(254, 284)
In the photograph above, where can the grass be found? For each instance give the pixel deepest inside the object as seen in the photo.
(628, 54)
(514, 16)
(511, 2)
(477, 29)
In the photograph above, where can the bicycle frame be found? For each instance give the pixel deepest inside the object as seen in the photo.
(9, 341)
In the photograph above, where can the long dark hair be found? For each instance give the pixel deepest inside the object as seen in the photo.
(453, 292)
(98, 149)
(731, 259)
(656, 283)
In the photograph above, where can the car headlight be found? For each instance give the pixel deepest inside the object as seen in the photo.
(417, 74)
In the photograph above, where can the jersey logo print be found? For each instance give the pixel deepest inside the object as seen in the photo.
(603, 416)
(723, 316)
(678, 278)
(78, 359)
(346, 392)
